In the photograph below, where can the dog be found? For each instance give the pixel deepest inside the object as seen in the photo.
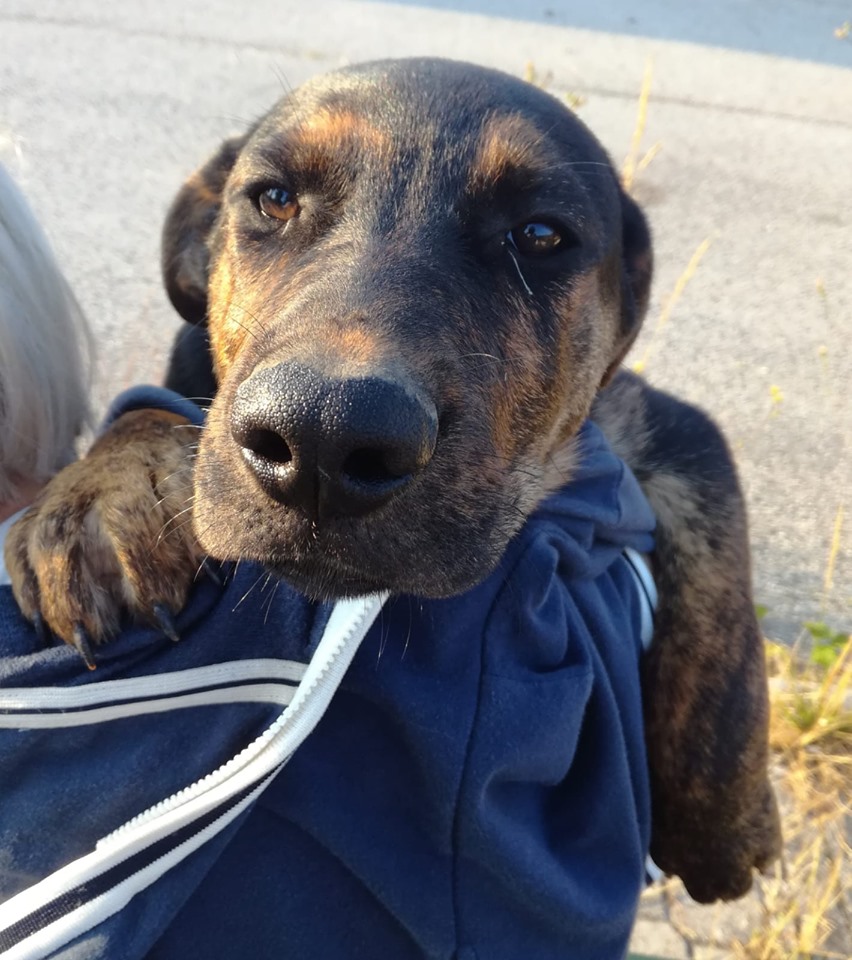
(418, 278)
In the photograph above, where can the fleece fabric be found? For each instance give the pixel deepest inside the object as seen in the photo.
(475, 790)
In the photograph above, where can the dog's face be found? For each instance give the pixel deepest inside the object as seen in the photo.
(416, 275)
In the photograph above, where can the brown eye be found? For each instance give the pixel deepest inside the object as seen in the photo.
(278, 204)
(535, 239)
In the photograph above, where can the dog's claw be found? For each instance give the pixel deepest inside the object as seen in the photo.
(44, 636)
(83, 647)
(211, 573)
(166, 622)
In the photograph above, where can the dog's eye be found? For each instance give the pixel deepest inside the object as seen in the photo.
(535, 239)
(278, 204)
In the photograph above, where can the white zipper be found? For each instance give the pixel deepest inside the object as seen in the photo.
(346, 628)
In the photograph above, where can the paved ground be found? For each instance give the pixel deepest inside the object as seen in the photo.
(106, 107)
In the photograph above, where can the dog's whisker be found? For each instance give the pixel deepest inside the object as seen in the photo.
(233, 118)
(248, 592)
(488, 356)
(248, 330)
(158, 503)
(253, 316)
(269, 602)
(382, 626)
(285, 84)
(200, 535)
(559, 469)
(587, 163)
(518, 268)
(188, 503)
(245, 596)
(176, 517)
(243, 326)
(408, 632)
(204, 560)
(174, 531)
(169, 476)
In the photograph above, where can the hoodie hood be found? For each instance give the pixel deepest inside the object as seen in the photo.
(600, 511)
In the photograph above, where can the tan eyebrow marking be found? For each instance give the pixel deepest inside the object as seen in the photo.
(510, 142)
(333, 128)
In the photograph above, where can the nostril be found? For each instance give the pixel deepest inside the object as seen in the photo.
(371, 468)
(268, 445)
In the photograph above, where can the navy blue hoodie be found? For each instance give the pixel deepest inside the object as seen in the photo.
(474, 789)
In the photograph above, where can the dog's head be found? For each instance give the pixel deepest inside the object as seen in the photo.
(416, 275)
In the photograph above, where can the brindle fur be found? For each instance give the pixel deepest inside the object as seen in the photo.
(409, 175)
(704, 678)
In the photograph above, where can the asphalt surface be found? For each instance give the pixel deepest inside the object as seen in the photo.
(105, 108)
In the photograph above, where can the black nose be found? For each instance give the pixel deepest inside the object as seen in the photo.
(332, 446)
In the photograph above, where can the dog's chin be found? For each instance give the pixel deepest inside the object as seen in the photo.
(324, 582)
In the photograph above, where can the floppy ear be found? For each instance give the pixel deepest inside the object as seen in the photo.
(637, 268)
(185, 256)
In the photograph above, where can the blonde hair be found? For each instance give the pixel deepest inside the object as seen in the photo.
(45, 352)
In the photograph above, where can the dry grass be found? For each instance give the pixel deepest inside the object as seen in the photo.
(807, 898)
(808, 902)
(670, 303)
(544, 81)
(632, 162)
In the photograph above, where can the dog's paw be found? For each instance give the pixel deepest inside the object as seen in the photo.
(716, 858)
(111, 535)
